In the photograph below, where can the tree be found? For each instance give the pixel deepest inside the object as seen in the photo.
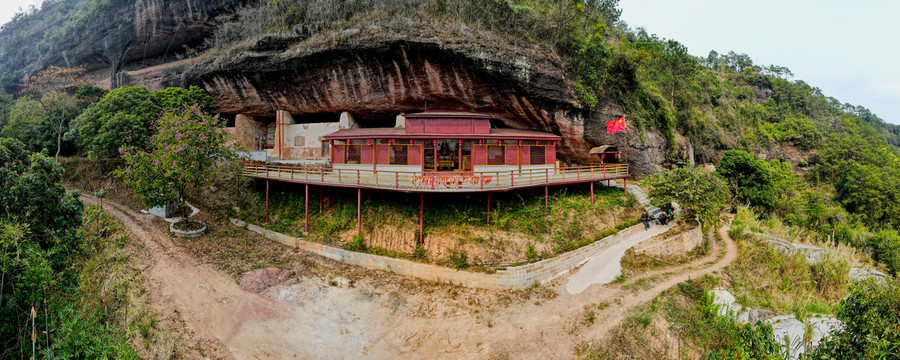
(38, 230)
(129, 111)
(60, 109)
(52, 79)
(750, 178)
(187, 145)
(25, 117)
(102, 128)
(30, 193)
(700, 193)
(176, 98)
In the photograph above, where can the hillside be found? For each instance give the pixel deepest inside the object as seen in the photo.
(379, 58)
(121, 89)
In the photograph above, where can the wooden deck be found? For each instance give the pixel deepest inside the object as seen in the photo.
(440, 182)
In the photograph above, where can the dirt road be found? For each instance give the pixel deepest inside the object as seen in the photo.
(310, 317)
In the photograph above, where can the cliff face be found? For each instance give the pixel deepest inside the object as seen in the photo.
(135, 33)
(377, 73)
(373, 72)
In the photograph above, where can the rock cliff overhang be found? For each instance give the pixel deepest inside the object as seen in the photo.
(377, 76)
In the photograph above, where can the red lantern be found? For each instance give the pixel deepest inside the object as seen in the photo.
(617, 155)
(389, 141)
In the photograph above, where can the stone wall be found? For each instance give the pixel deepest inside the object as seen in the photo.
(512, 278)
(678, 244)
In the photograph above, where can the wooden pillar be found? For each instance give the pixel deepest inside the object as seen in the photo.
(306, 210)
(320, 199)
(592, 193)
(546, 191)
(489, 208)
(626, 186)
(237, 188)
(267, 201)
(422, 218)
(358, 211)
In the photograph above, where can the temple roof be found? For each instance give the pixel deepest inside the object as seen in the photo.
(399, 133)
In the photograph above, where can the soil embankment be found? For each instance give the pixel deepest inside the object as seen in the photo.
(377, 314)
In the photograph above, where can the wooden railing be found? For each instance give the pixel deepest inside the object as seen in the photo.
(439, 181)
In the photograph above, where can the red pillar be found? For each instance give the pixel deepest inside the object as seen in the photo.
(488, 208)
(592, 193)
(422, 217)
(320, 199)
(358, 211)
(306, 210)
(546, 191)
(267, 201)
(626, 186)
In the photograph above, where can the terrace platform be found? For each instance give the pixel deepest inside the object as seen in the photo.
(436, 182)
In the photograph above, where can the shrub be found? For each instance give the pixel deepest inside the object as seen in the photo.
(871, 315)
(358, 243)
(459, 259)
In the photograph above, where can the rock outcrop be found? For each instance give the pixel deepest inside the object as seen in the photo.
(131, 34)
(372, 71)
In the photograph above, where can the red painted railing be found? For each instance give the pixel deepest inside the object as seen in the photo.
(437, 182)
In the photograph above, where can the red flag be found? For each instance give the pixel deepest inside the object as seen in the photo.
(615, 125)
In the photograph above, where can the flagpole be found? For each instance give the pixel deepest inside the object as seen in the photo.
(625, 134)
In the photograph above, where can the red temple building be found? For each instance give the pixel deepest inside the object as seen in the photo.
(435, 151)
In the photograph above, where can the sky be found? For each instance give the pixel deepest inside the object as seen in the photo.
(9, 8)
(849, 49)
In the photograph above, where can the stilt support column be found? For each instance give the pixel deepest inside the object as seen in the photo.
(267, 201)
(422, 218)
(592, 193)
(306, 210)
(546, 193)
(358, 211)
(488, 208)
(625, 181)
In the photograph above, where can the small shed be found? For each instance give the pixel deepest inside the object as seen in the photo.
(606, 154)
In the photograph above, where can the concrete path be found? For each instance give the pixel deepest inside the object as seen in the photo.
(604, 267)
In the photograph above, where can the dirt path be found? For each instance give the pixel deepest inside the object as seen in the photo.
(731, 253)
(308, 317)
(234, 323)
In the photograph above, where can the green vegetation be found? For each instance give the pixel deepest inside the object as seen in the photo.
(764, 277)
(569, 222)
(693, 318)
(700, 193)
(187, 146)
(870, 316)
(43, 247)
(126, 116)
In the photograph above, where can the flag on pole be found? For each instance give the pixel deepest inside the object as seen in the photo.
(615, 125)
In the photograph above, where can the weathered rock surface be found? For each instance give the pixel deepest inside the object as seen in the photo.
(813, 254)
(860, 273)
(135, 34)
(790, 332)
(372, 71)
(261, 279)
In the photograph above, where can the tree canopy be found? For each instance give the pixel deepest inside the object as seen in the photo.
(186, 145)
(700, 193)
